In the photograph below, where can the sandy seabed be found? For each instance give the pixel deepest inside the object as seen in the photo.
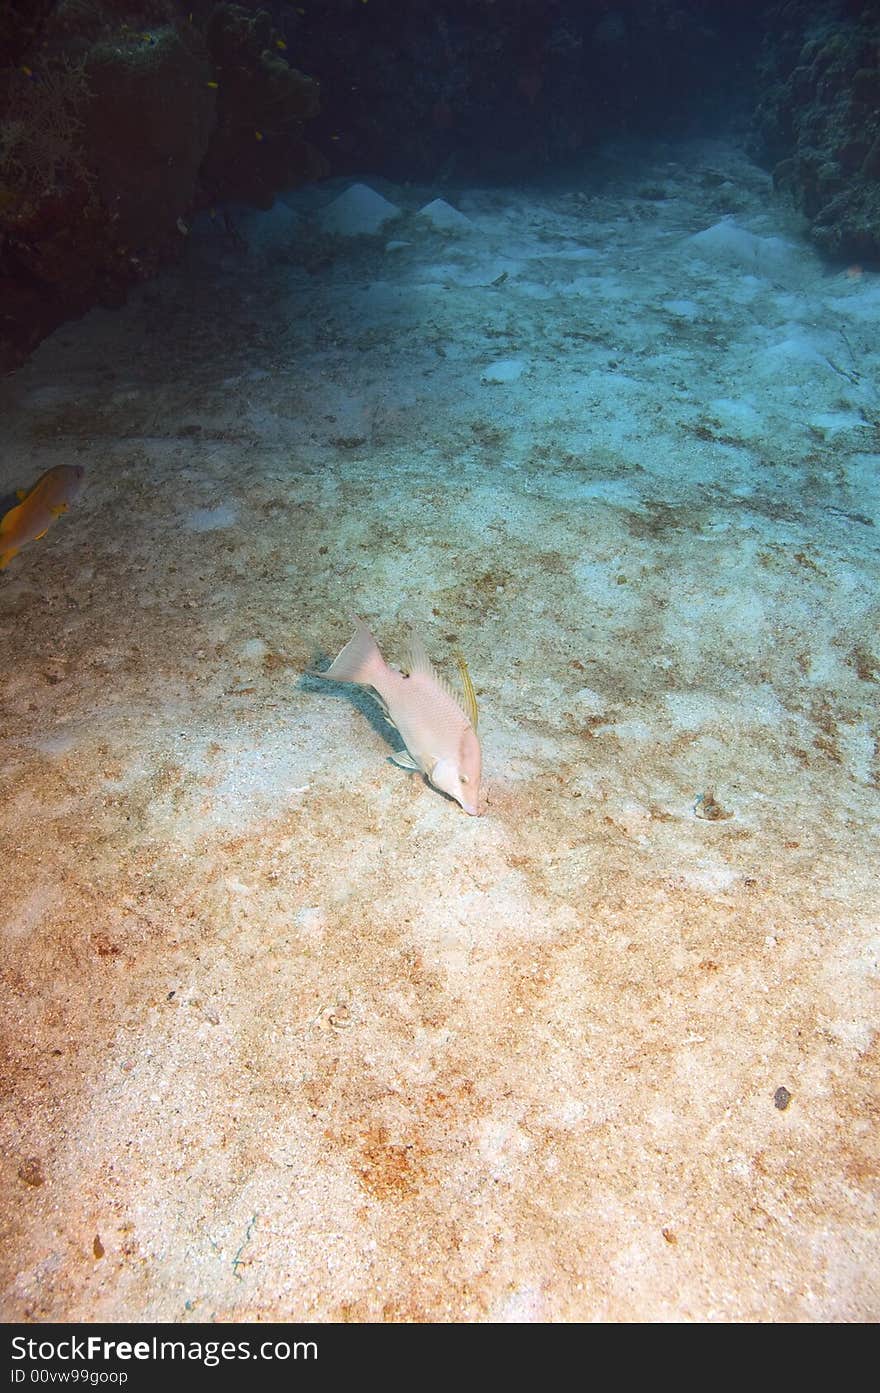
(285, 1033)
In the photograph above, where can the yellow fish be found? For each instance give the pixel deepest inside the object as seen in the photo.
(31, 519)
(438, 729)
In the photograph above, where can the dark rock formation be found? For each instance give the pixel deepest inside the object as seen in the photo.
(817, 124)
(118, 120)
(467, 89)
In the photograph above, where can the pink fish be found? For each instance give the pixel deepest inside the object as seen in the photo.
(438, 729)
(31, 519)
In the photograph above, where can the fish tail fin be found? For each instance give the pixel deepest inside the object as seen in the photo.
(360, 660)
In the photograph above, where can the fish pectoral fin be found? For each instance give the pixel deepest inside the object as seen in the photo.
(381, 703)
(404, 760)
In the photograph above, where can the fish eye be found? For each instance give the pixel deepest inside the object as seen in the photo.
(464, 778)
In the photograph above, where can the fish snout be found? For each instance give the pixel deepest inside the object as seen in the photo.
(470, 772)
(447, 776)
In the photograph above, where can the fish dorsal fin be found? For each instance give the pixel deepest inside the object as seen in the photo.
(416, 660)
(471, 710)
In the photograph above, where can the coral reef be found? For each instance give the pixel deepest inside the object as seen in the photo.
(256, 147)
(118, 120)
(817, 125)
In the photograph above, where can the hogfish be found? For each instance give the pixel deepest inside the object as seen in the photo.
(438, 729)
